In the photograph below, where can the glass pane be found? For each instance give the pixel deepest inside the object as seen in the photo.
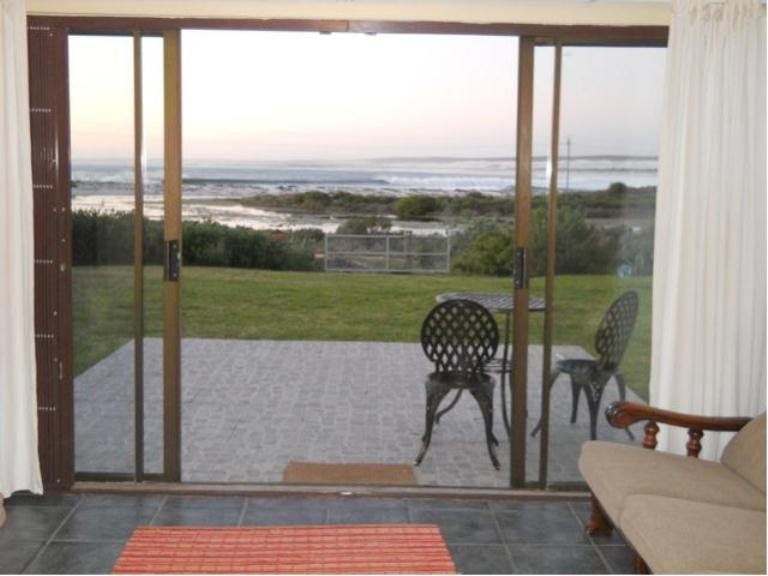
(387, 157)
(101, 103)
(543, 87)
(611, 106)
(152, 86)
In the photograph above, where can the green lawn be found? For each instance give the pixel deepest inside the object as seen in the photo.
(257, 304)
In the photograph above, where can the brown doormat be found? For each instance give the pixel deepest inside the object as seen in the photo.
(370, 474)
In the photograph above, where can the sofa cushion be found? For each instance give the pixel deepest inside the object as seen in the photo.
(682, 537)
(614, 472)
(745, 453)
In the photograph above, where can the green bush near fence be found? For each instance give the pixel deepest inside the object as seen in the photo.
(367, 225)
(486, 247)
(107, 239)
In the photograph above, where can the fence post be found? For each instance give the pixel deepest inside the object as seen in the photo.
(447, 252)
(387, 253)
(325, 252)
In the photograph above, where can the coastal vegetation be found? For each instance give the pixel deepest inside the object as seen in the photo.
(581, 247)
(593, 236)
(101, 239)
(616, 201)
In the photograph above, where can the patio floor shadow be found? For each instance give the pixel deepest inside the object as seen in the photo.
(249, 407)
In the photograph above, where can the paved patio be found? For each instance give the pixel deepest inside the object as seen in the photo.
(251, 406)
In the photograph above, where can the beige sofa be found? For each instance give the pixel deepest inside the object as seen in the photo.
(681, 514)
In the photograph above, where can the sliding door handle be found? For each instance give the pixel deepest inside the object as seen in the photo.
(172, 261)
(521, 268)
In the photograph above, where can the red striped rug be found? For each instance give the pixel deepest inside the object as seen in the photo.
(351, 549)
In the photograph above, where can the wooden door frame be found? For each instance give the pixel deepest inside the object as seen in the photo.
(549, 279)
(172, 233)
(49, 131)
(57, 441)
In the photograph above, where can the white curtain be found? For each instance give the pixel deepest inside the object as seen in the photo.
(19, 464)
(709, 295)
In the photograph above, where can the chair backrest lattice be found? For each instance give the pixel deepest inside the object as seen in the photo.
(615, 330)
(459, 336)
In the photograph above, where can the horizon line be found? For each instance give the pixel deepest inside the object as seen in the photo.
(432, 158)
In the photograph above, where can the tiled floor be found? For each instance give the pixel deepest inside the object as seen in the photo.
(84, 534)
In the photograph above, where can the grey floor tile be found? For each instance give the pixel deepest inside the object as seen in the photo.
(534, 523)
(282, 511)
(178, 516)
(19, 499)
(76, 558)
(32, 523)
(461, 526)
(367, 511)
(583, 511)
(104, 523)
(481, 559)
(14, 556)
(621, 559)
(198, 502)
(529, 559)
(146, 503)
(448, 504)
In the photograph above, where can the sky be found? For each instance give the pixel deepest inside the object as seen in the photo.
(308, 96)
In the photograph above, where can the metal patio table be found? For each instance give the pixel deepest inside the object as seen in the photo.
(501, 303)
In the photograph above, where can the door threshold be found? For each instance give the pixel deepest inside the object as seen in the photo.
(320, 491)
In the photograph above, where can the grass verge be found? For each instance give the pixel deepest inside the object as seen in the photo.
(258, 304)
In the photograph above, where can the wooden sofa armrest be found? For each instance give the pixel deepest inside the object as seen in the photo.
(623, 414)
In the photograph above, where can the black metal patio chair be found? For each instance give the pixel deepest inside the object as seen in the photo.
(459, 337)
(592, 376)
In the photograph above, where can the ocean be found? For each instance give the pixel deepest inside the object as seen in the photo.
(107, 185)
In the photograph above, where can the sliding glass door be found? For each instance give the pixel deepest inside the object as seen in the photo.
(103, 253)
(116, 97)
(254, 313)
(593, 228)
(335, 193)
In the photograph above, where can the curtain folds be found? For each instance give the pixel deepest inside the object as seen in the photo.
(709, 295)
(19, 463)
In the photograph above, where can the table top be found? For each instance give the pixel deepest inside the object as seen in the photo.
(495, 302)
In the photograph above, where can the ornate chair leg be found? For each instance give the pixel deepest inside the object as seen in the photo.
(555, 375)
(594, 396)
(598, 525)
(575, 393)
(449, 407)
(484, 398)
(622, 385)
(435, 395)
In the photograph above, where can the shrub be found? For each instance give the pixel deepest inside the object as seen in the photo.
(102, 239)
(581, 248)
(365, 225)
(107, 239)
(204, 242)
(418, 207)
(489, 252)
(617, 189)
